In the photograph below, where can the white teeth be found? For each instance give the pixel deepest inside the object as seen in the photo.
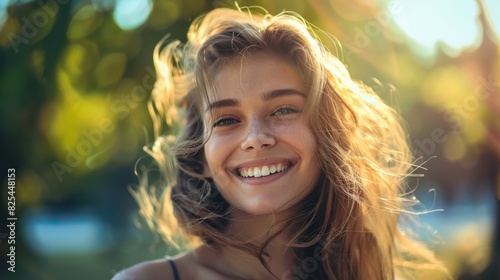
(256, 172)
(272, 169)
(265, 170)
(262, 171)
(244, 173)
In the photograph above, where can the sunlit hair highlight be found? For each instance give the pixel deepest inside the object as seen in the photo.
(351, 215)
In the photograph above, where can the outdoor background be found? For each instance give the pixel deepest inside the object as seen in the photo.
(75, 77)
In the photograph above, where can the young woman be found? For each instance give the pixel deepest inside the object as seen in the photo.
(285, 168)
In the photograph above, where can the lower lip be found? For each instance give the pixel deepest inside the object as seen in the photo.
(264, 180)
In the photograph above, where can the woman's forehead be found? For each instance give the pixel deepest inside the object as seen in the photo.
(255, 73)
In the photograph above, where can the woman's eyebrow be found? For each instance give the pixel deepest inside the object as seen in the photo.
(228, 102)
(266, 96)
(280, 93)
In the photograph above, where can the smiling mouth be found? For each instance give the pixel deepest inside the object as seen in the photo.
(262, 171)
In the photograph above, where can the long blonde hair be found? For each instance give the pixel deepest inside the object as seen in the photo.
(350, 218)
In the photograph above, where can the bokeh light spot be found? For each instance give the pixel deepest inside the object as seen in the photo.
(454, 147)
(29, 188)
(79, 125)
(37, 62)
(84, 22)
(113, 38)
(110, 69)
(9, 31)
(130, 14)
(446, 88)
(80, 58)
(164, 13)
(3, 12)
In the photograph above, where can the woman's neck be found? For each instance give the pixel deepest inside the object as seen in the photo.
(256, 229)
(251, 229)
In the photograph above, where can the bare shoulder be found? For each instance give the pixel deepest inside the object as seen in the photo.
(197, 264)
(149, 270)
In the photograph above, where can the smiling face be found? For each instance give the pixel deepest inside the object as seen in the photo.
(261, 152)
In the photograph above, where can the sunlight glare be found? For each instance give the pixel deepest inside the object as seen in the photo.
(432, 24)
(492, 7)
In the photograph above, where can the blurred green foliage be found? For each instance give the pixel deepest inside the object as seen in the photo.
(74, 119)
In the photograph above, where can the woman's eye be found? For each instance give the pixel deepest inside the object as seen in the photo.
(225, 122)
(285, 110)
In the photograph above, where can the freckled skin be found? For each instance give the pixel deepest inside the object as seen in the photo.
(257, 129)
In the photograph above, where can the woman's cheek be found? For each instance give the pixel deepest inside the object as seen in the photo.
(217, 151)
(284, 126)
(290, 128)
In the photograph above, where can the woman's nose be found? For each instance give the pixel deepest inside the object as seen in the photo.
(258, 136)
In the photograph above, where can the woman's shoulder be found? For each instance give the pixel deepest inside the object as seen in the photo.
(148, 270)
(167, 268)
(197, 264)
